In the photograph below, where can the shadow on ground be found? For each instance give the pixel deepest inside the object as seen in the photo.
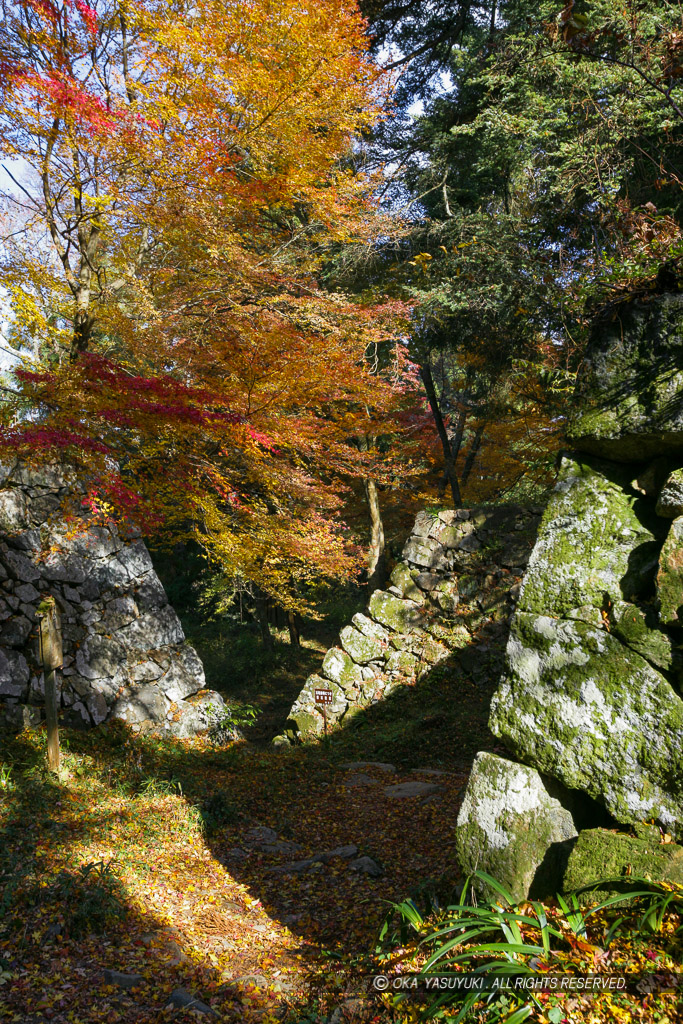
(201, 903)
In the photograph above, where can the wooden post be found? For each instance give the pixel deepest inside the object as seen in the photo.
(322, 699)
(51, 657)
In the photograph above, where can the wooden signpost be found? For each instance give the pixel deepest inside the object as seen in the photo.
(51, 658)
(323, 698)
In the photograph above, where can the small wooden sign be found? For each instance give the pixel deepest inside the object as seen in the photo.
(324, 696)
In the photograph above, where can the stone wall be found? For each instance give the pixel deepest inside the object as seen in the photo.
(457, 577)
(125, 654)
(591, 693)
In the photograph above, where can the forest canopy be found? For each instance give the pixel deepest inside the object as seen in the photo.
(267, 262)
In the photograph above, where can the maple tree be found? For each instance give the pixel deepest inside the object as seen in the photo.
(187, 163)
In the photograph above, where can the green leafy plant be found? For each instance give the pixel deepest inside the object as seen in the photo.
(228, 721)
(92, 897)
(151, 787)
(490, 937)
(217, 812)
(6, 783)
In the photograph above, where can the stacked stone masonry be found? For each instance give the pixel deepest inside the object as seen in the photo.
(458, 573)
(125, 654)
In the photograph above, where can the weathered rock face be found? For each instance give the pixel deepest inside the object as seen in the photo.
(457, 571)
(125, 654)
(599, 855)
(516, 826)
(582, 707)
(596, 545)
(591, 693)
(588, 694)
(629, 405)
(670, 576)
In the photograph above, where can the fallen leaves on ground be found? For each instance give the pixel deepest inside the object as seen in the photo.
(146, 843)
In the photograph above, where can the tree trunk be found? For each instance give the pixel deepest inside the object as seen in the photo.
(51, 720)
(293, 627)
(51, 657)
(449, 459)
(261, 606)
(472, 454)
(83, 325)
(377, 560)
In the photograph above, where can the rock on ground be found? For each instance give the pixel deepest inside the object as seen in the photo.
(600, 855)
(514, 826)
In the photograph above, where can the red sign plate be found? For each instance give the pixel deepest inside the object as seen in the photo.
(323, 696)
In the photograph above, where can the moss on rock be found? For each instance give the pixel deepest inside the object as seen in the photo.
(635, 627)
(339, 668)
(584, 708)
(670, 575)
(599, 855)
(403, 578)
(403, 663)
(670, 501)
(394, 612)
(362, 649)
(513, 826)
(592, 544)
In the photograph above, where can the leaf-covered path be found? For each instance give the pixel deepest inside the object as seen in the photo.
(176, 834)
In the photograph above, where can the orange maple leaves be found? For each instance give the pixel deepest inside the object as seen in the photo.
(192, 180)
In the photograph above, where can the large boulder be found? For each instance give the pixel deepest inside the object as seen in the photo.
(587, 693)
(581, 706)
(594, 546)
(514, 825)
(630, 398)
(670, 500)
(394, 612)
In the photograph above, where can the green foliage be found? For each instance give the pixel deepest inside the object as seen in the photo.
(217, 812)
(152, 786)
(6, 784)
(92, 896)
(495, 937)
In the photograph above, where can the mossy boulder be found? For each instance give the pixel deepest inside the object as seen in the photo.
(629, 403)
(514, 826)
(600, 855)
(362, 649)
(449, 535)
(368, 627)
(402, 663)
(306, 699)
(670, 501)
(670, 576)
(637, 629)
(430, 650)
(339, 668)
(584, 708)
(404, 579)
(425, 552)
(592, 544)
(304, 725)
(305, 720)
(446, 595)
(393, 612)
